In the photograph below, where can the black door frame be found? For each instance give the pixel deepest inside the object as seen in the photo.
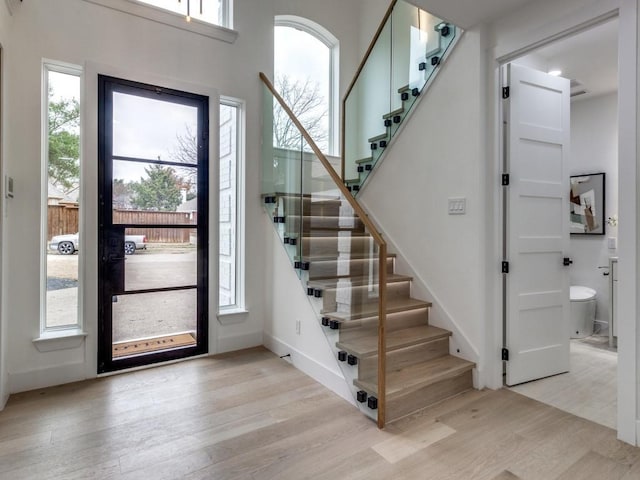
(110, 266)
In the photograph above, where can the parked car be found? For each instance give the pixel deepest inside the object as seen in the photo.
(68, 244)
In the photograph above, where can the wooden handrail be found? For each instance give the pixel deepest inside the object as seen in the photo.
(323, 159)
(382, 250)
(355, 79)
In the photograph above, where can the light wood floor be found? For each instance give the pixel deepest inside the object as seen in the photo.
(252, 416)
(588, 390)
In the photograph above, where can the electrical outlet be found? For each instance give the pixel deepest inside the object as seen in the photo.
(298, 327)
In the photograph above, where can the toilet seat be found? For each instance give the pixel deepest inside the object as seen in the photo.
(578, 293)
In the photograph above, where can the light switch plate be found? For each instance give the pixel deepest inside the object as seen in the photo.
(612, 243)
(457, 206)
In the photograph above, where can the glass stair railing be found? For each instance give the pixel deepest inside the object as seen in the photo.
(404, 56)
(337, 253)
(392, 359)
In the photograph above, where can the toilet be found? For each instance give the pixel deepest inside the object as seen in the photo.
(583, 311)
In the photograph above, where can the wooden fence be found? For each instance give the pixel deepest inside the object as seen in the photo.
(63, 219)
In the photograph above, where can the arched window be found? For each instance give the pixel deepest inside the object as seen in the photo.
(306, 75)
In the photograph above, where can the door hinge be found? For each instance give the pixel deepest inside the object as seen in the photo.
(505, 354)
(505, 92)
(505, 267)
(505, 179)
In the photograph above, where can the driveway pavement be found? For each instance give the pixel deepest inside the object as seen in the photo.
(139, 315)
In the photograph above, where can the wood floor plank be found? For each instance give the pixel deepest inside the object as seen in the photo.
(411, 441)
(506, 475)
(634, 471)
(594, 465)
(252, 416)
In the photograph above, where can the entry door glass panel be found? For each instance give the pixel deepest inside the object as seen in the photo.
(151, 322)
(153, 231)
(168, 259)
(140, 188)
(153, 129)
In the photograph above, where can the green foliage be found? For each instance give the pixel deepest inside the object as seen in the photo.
(121, 194)
(64, 143)
(159, 191)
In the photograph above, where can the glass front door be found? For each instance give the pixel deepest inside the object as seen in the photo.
(153, 197)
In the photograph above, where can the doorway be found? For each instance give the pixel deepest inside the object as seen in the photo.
(589, 389)
(152, 224)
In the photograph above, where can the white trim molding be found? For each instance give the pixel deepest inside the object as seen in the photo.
(171, 19)
(60, 340)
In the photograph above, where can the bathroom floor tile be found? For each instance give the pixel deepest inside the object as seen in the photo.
(588, 390)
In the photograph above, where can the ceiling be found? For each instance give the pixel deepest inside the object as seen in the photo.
(590, 58)
(466, 13)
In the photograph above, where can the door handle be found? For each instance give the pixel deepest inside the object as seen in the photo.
(566, 261)
(113, 258)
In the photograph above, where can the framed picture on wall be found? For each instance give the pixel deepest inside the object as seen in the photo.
(586, 200)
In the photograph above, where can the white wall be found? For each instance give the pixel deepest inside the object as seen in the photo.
(76, 32)
(594, 149)
(309, 350)
(440, 154)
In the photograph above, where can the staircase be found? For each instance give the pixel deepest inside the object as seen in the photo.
(330, 249)
(404, 57)
(394, 361)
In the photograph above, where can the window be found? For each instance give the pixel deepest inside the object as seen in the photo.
(215, 21)
(215, 12)
(60, 245)
(231, 291)
(306, 75)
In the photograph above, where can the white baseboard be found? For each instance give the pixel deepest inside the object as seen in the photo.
(331, 379)
(46, 377)
(238, 342)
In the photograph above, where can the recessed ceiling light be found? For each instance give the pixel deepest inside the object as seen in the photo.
(555, 73)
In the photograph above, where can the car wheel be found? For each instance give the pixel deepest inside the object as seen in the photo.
(129, 248)
(66, 248)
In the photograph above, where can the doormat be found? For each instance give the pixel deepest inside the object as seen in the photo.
(166, 342)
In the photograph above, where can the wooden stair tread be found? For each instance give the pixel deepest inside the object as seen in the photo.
(331, 233)
(334, 258)
(364, 160)
(397, 111)
(371, 310)
(367, 345)
(323, 218)
(304, 195)
(382, 136)
(328, 283)
(404, 89)
(413, 377)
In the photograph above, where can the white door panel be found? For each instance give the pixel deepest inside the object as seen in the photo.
(537, 219)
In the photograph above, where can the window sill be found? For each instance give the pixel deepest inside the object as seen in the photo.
(232, 315)
(169, 18)
(59, 340)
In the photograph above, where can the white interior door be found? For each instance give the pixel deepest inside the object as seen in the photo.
(537, 224)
